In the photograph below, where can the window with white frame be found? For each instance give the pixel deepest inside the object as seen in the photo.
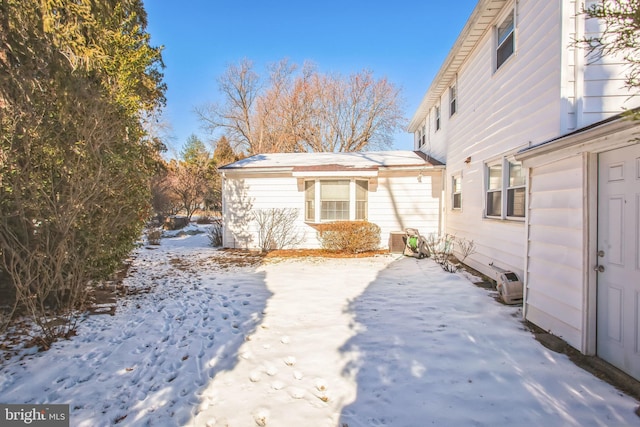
(494, 190)
(453, 99)
(338, 200)
(456, 192)
(516, 191)
(424, 136)
(309, 201)
(505, 39)
(419, 134)
(334, 200)
(437, 117)
(505, 190)
(362, 191)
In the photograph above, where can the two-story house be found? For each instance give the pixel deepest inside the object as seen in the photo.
(542, 173)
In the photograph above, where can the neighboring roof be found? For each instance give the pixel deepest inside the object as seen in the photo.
(478, 23)
(365, 161)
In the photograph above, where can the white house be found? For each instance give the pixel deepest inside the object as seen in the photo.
(393, 189)
(541, 171)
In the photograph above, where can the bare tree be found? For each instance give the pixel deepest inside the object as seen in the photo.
(189, 184)
(239, 86)
(619, 35)
(304, 110)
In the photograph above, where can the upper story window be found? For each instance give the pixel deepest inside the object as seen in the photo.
(437, 114)
(453, 99)
(506, 40)
(424, 136)
(337, 199)
(505, 195)
(456, 192)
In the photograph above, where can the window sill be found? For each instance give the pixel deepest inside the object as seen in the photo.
(507, 219)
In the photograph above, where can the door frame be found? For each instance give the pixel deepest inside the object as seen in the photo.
(591, 173)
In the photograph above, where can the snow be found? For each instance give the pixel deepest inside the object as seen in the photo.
(363, 159)
(307, 342)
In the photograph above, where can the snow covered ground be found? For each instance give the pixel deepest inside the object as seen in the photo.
(383, 341)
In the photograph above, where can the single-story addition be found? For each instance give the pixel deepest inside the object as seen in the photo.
(393, 189)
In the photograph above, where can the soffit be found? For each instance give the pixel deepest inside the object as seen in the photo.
(478, 23)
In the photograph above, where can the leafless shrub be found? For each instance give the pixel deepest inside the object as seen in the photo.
(153, 236)
(442, 249)
(215, 232)
(276, 228)
(465, 248)
(349, 236)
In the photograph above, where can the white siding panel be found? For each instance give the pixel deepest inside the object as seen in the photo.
(554, 235)
(555, 265)
(564, 218)
(566, 332)
(559, 199)
(400, 201)
(557, 180)
(553, 289)
(564, 257)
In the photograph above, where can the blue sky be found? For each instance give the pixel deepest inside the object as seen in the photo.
(403, 40)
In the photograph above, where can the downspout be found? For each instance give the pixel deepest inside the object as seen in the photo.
(223, 208)
(442, 216)
(527, 234)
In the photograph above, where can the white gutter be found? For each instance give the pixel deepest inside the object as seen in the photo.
(479, 22)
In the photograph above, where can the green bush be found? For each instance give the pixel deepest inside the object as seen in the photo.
(349, 236)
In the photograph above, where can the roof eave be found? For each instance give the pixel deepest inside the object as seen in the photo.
(478, 23)
(592, 138)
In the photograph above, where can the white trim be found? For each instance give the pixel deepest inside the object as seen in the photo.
(590, 255)
(334, 174)
(604, 137)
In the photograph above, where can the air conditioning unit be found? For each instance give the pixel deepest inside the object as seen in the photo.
(508, 284)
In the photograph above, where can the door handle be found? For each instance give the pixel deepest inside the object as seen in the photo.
(599, 268)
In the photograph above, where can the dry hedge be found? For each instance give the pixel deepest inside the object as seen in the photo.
(349, 236)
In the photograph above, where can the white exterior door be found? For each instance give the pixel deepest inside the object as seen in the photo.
(619, 259)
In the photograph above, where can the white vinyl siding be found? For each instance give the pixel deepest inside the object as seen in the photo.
(496, 120)
(415, 204)
(556, 241)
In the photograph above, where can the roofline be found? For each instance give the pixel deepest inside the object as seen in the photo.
(599, 130)
(479, 22)
(333, 167)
